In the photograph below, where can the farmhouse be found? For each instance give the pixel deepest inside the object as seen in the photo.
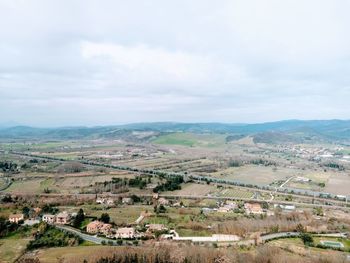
(99, 227)
(15, 218)
(253, 208)
(155, 227)
(127, 201)
(109, 201)
(37, 210)
(62, 218)
(125, 232)
(287, 208)
(50, 219)
(100, 200)
(163, 201)
(94, 227)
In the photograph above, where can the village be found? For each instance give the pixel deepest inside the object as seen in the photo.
(103, 227)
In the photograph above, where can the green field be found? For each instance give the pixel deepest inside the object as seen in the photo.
(191, 139)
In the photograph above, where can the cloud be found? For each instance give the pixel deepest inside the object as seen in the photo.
(144, 66)
(83, 62)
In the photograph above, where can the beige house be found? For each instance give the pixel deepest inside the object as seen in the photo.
(163, 201)
(50, 219)
(125, 232)
(94, 227)
(155, 227)
(62, 218)
(15, 218)
(253, 208)
(99, 227)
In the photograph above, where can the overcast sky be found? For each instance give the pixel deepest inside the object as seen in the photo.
(111, 62)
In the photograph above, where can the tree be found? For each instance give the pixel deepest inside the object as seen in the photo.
(307, 239)
(25, 211)
(135, 198)
(105, 218)
(300, 228)
(79, 218)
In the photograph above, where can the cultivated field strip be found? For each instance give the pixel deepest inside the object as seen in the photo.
(235, 192)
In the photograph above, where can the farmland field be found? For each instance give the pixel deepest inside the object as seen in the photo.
(192, 140)
(235, 192)
(253, 174)
(11, 248)
(194, 190)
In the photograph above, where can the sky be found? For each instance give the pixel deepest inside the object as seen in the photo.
(69, 62)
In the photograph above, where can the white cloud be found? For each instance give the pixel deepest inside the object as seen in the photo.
(146, 66)
(242, 60)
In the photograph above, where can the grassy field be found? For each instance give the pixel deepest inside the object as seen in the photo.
(191, 139)
(255, 174)
(12, 247)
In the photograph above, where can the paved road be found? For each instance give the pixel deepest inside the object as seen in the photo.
(279, 235)
(86, 237)
(296, 234)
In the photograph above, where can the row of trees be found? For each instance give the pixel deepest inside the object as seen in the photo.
(7, 166)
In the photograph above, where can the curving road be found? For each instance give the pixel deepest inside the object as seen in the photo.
(86, 237)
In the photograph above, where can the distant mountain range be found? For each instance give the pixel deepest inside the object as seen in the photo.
(278, 132)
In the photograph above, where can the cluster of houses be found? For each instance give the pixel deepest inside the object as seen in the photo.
(61, 218)
(98, 227)
(230, 206)
(130, 201)
(253, 208)
(227, 207)
(104, 201)
(250, 208)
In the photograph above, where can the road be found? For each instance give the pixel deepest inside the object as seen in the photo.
(279, 235)
(86, 237)
(296, 234)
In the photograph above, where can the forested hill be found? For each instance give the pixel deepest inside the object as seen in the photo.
(285, 130)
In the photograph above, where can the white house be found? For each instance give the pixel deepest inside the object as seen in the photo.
(125, 232)
(50, 219)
